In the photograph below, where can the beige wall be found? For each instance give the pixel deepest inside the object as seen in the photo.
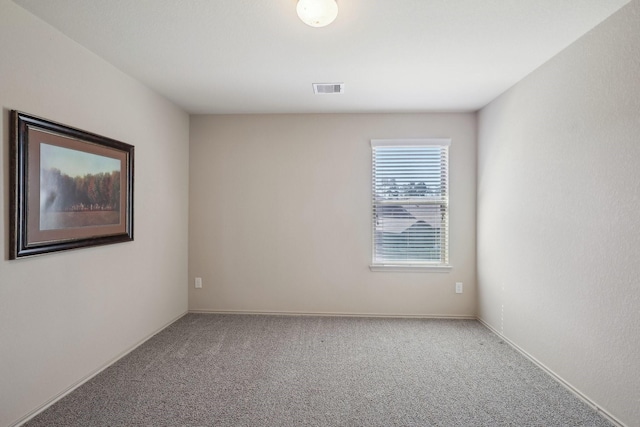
(558, 215)
(65, 315)
(280, 215)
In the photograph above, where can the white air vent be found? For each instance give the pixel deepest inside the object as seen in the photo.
(328, 88)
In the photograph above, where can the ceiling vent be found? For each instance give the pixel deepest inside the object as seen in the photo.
(328, 88)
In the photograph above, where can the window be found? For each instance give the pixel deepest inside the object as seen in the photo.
(410, 203)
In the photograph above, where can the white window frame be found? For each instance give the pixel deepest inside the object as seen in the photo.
(413, 265)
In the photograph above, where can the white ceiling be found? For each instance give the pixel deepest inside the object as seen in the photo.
(256, 56)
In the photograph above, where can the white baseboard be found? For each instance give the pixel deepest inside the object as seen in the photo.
(335, 314)
(88, 377)
(555, 376)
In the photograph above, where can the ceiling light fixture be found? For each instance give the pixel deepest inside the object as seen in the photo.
(317, 13)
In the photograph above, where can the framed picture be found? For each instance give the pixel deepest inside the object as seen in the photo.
(69, 188)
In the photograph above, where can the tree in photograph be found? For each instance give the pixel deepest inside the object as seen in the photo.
(89, 192)
(115, 190)
(92, 191)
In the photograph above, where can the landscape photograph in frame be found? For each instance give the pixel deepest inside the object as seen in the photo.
(69, 188)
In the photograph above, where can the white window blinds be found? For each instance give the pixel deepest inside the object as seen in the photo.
(410, 202)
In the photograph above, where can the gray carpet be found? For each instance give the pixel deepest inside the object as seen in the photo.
(240, 370)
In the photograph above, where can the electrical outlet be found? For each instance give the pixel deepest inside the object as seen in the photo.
(458, 287)
(198, 282)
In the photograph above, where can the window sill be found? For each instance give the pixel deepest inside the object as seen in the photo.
(411, 268)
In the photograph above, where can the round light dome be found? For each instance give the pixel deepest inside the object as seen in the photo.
(317, 13)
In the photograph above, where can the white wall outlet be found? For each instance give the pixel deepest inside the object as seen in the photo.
(198, 282)
(458, 287)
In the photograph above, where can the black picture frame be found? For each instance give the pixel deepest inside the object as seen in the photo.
(69, 188)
